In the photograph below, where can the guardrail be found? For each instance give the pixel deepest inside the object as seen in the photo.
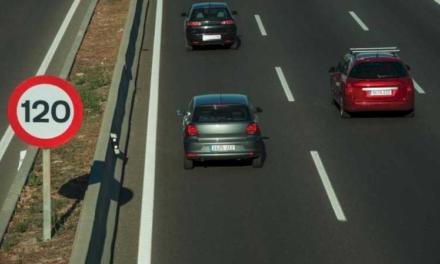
(96, 227)
(8, 207)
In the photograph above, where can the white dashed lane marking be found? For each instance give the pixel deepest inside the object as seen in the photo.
(358, 20)
(419, 88)
(260, 25)
(328, 187)
(284, 84)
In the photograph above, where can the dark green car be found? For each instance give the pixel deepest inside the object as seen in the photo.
(222, 127)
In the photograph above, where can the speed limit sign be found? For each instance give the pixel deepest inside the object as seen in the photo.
(45, 111)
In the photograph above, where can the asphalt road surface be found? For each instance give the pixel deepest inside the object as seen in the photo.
(359, 190)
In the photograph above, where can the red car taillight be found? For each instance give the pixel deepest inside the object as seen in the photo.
(228, 22)
(191, 130)
(194, 23)
(252, 128)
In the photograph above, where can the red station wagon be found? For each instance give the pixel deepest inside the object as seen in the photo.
(372, 79)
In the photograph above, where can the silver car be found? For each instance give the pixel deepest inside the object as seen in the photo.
(221, 127)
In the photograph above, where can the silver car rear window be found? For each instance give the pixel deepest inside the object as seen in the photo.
(221, 113)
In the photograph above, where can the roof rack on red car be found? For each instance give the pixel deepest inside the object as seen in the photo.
(391, 50)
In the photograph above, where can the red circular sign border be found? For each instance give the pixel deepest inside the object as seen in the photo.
(40, 142)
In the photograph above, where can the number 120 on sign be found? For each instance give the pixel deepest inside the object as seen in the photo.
(61, 108)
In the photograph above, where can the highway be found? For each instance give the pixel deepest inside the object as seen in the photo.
(359, 190)
(27, 29)
(38, 37)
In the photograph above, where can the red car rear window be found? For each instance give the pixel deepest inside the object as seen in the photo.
(378, 70)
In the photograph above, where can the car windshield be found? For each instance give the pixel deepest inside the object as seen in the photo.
(221, 113)
(378, 70)
(203, 14)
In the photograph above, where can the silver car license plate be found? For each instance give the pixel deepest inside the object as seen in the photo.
(222, 148)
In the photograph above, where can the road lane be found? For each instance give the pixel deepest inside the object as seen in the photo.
(28, 29)
(382, 167)
(389, 157)
(241, 199)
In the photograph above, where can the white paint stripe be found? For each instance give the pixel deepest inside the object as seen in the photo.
(260, 25)
(146, 221)
(418, 88)
(22, 157)
(359, 21)
(5, 141)
(328, 187)
(59, 36)
(9, 134)
(285, 85)
(437, 1)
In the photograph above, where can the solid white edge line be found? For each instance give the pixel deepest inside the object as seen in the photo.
(418, 88)
(59, 36)
(437, 1)
(328, 187)
(358, 20)
(5, 141)
(9, 134)
(284, 84)
(22, 157)
(147, 209)
(260, 25)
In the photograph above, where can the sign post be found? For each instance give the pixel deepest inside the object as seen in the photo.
(45, 112)
(47, 215)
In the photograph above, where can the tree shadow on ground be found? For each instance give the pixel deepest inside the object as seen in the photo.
(75, 189)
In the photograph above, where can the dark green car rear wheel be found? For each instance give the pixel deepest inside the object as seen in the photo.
(258, 162)
(188, 164)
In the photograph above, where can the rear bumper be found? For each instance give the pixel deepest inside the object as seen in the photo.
(368, 106)
(244, 150)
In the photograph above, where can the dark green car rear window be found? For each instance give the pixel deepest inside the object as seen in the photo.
(378, 70)
(221, 113)
(204, 14)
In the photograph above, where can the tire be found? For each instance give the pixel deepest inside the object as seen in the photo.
(342, 112)
(189, 47)
(258, 162)
(410, 114)
(188, 164)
